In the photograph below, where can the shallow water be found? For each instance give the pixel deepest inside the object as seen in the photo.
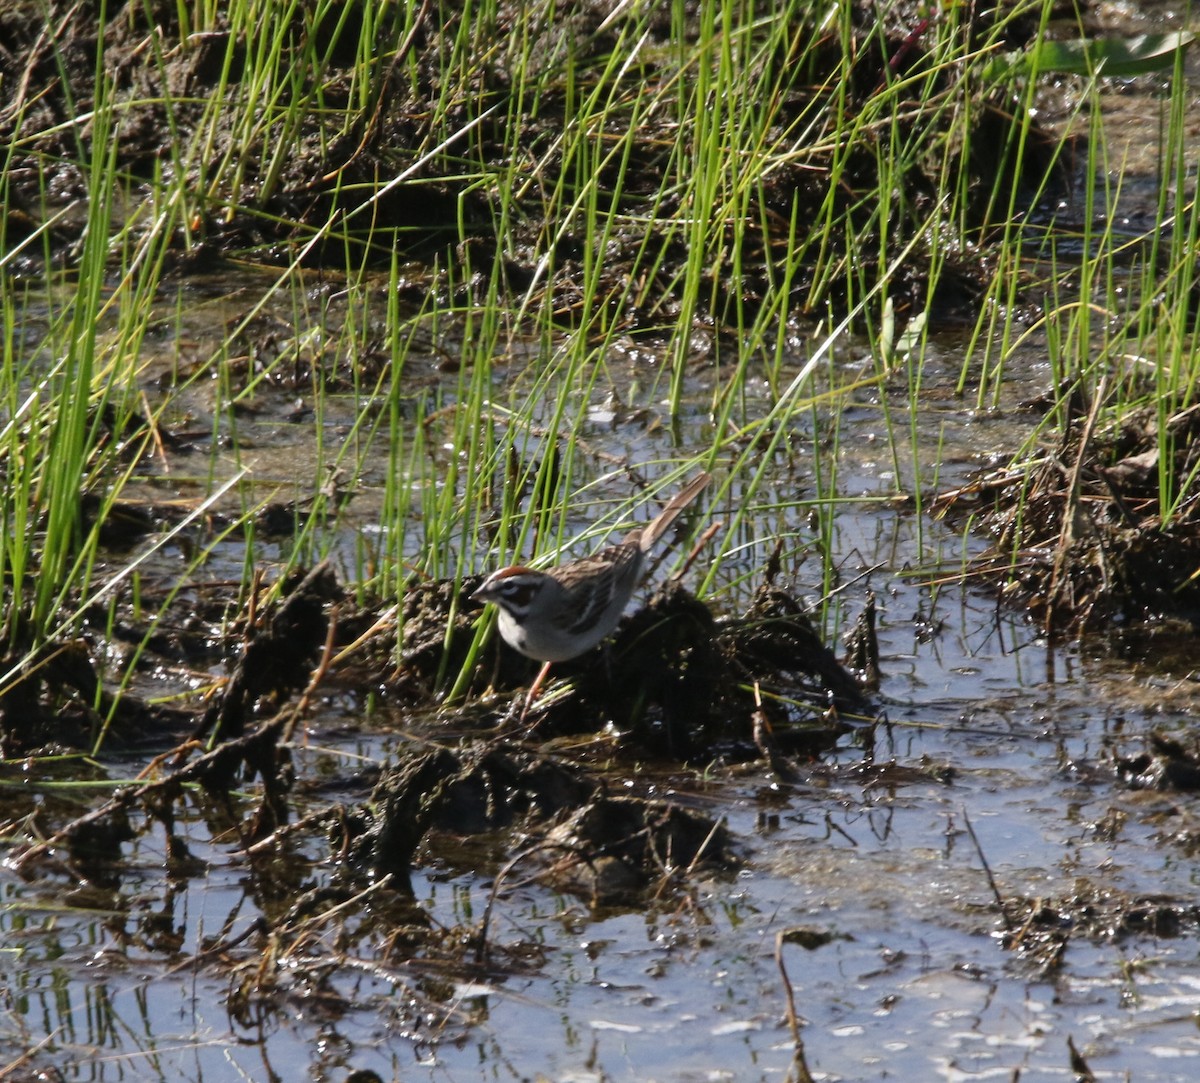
(905, 974)
(910, 980)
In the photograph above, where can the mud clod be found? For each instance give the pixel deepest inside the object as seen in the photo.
(606, 849)
(626, 846)
(1168, 764)
(482, 788)
(673, 682)
(278, 658)
(1082, 538)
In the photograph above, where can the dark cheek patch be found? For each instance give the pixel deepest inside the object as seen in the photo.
(518, 594)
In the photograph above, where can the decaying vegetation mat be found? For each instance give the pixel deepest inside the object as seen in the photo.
(1082, 536)
(761, 686)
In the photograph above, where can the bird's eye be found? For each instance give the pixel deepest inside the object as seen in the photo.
(516, 590)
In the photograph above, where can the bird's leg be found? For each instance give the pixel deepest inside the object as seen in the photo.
(534, 689)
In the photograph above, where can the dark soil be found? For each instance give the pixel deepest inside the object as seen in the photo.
(48, 59)
(1082, 538)
(675, 686)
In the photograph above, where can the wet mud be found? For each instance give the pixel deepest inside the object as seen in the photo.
(329, 164)
(704, 693)
(1082, 537)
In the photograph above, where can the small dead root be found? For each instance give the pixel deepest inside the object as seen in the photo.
(1081, 537)
(279, 654)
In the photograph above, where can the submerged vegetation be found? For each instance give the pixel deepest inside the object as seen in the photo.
(512, 263)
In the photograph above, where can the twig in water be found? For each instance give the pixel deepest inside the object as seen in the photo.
(1079, 1066)
(987, 871)
(485, 922)
(799, 1064)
